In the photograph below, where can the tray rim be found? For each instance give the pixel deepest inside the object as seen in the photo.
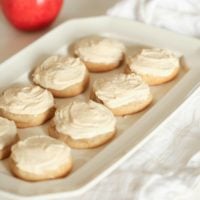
(191, 76)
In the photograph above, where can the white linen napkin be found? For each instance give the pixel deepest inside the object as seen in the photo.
(182, 16)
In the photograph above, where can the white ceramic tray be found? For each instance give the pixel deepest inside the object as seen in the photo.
(92, 165)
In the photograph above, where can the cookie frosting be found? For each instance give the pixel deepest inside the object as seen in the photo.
(38, 154)
(99, 50)
(82, 120)
(121, 89)
(60, 72)
(8, 132)
(30, 100)
(155, 62)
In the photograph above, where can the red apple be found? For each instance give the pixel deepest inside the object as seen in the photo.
(31, 15)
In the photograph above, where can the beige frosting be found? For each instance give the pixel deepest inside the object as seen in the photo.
(99, 50)
(121, 89)
(59, 72)
(8, 132)
(30, 100)
(40, 154)
(155, 62)
(82, 120)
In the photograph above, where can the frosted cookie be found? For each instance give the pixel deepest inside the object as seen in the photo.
(99, 54)
(83, 124)
(27, 106)
(156, 66)
(8, 136)
(63, 76)
(40, 158)
(122, 93)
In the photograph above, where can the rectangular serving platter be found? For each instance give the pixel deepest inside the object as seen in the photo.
(90, 166)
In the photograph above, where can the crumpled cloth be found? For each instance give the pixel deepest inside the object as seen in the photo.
(166, 167)
(182, 16)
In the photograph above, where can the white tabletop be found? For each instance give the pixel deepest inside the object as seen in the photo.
(150, 174)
